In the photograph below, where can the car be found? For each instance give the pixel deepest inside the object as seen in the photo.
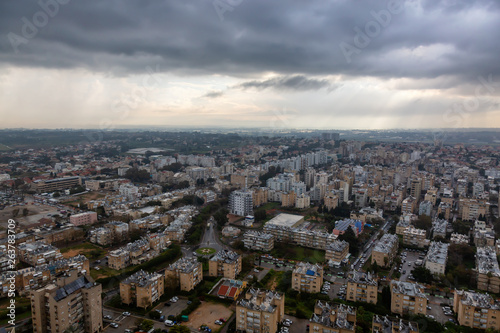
(218, 322)
(256, 270)
(288, 321)
(169, 323)
(404, 271)
(114, 325)
(429, 307)
(430, 316)
(324, 292)
(222, 319)
(107, 317)
(128, 330)
(126, 313)
(158, 310)
(173, 300)
(162, 318)
(168, 304)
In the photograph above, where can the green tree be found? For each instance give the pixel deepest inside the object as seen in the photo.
(144, 324)
(180, 329)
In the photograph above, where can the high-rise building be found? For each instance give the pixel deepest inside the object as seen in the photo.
(476, 310)
(385, 250)
(408, 298)
(142, 289)
(362, 287)
(260, 311)
(225, 263)
(72, 304)
(187, 271)
(241, 203)
(307, 277)
(335, 317)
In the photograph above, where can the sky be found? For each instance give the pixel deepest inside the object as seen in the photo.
(338, 64)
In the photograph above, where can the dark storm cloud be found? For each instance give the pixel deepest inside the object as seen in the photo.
(295, 82)
(213, 94)
(256, 36)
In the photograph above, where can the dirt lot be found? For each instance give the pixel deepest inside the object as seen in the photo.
(74, 200)
(35, 213)
(206, 314)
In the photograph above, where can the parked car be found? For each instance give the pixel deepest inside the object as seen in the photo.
(162, 318)
(126, 314)
(218, 322)
(169, 323)
(107, 317)
(114, 325)
(168, 304)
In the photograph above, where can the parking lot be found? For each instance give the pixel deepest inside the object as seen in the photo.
(298, 325)
(125, 322)
(408, 263)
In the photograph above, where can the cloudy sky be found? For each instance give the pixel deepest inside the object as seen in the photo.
(250, 63)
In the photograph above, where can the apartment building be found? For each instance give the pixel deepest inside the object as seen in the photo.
(488, 272)
(408, 298)
(409, 205)
(37, 253)
(332, 318)
(470, 209)
(142, 289)
(187, 272)
(476, 310)
(32, 278)
(425, 208)
(241, 203)
(386, 324)
(362, 287)
(72, 304)
(331, 200)
(225, 263)
(259, 196)
(282, 225)
(444, 209)
(86, 218)
(57, 184)
(385, 250)
(437, 255)
(336, 251)
(101, 236)
(402, 225)
(457, 238)
(307, 278)
(260, 311)
(258, 241)
(414, 237)
(439, 228)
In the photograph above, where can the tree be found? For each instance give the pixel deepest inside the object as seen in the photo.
(350, 238)
(260, 215)
(25, 211)
(144, 324)
(422, 275)
(180, 329)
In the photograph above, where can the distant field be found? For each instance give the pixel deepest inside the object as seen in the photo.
(84, 198)
(4, 147)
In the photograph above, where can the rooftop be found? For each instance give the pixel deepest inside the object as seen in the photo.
(437, 253)
(362, 278)
(260, 300)
(386, 243)
(392, 324)
(337, 246)
(285, 220)
(407, 288)
(142, 278)
(184, 264)
(478, 300)
(486, 261)
(225, 256)
(333, 315)
(306, 268)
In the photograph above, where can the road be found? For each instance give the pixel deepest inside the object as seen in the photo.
(211, 239)
(367, 249)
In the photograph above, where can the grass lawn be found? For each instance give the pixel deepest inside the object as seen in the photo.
(299, 253)
(205, 250)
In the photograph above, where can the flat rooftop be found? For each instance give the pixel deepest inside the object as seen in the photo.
(286, 220)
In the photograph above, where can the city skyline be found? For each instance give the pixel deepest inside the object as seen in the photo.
(397, 64)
